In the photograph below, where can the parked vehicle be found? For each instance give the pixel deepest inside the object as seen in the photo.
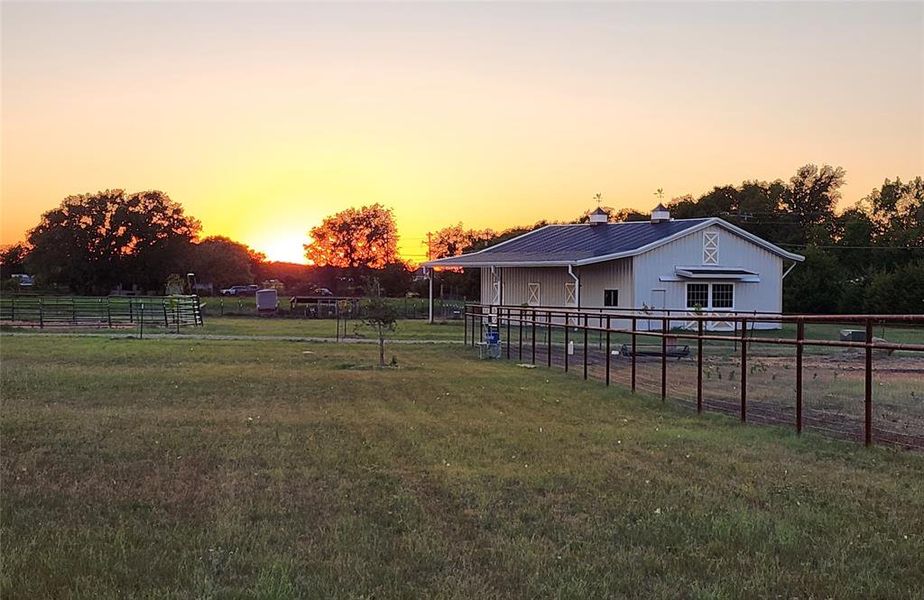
(240, 290)
(23, 279)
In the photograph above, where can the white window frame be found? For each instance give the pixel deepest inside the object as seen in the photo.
(617, 297)
(710, 247)
(709, 295)
(533, 294)
(733, 292)
(570, 293)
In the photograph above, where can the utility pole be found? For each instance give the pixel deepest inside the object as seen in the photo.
(430, 277)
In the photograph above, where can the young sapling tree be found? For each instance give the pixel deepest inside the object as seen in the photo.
(379, 314)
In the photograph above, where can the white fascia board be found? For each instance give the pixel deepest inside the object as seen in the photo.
(495, 263)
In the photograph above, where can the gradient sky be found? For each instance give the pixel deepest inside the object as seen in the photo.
(261, 118)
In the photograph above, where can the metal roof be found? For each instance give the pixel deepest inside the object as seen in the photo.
(562, 245)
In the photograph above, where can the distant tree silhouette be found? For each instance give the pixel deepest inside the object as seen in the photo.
(355, 239)
(810, 200)
(12, 260)
(223, 262)
(93, 242)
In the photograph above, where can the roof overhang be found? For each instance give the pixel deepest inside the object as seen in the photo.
(708, 272)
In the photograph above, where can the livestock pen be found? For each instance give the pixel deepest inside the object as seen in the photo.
(765, 368)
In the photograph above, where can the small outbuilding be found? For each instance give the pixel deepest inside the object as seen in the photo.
(688, 266)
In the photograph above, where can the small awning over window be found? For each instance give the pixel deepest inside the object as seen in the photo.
(710, 272)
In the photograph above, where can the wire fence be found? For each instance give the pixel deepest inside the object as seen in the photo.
(165, 312)
(332, 307)
(853, 376)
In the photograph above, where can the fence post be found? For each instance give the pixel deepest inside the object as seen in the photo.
(508, 334)
(41, 315)
(566, 342)
(200, 320)
(532, 336)
(744, 370)
(548, 337)
(585, 345)
(166, 321)
(520, 334)
(699, 366)
(141, 323)
(800, 336)
(13, 308)
(607, 349)
(868, 401)
(131, 310)
(464, 323)
(176, 312)
(109, 311)
(634, 323)
(663, 359)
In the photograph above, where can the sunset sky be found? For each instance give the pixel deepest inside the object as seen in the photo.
(261, 118)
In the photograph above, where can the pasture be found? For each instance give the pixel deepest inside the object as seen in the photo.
(267, 469)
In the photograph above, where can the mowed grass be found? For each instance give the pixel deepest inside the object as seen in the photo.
(406, 329)
(181, 468)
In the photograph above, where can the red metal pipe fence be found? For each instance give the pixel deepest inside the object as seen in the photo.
(673, 327)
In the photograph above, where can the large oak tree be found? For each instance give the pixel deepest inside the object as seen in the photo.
(355, 239)
(94, 242)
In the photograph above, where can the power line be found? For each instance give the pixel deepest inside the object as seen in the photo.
(837, 247)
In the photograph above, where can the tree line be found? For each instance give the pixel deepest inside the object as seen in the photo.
(866, 258)
(118, 241)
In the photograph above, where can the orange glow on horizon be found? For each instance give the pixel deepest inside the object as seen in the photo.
(267, 117)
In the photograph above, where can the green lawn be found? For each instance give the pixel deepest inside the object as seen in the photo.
(186, 468)
(411, 329)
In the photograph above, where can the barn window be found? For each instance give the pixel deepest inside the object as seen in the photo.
(723, 295)
(710, 295)
(533, 294)
(610, 297)
(570, 294)
(697, 295)
(710, 247)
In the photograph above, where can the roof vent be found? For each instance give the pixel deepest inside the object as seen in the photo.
(659, 214)
(599, 216)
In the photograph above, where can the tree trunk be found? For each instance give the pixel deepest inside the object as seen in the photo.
(381, 346)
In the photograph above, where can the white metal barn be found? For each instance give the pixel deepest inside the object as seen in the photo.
(705, 265)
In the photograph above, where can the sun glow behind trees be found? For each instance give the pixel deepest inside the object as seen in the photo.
(269, 116)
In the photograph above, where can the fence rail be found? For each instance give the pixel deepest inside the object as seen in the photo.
(331, 307)
(756, 370)
(169, 312)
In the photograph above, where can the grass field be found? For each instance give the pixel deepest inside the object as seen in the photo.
(186, 468)
(410, 329)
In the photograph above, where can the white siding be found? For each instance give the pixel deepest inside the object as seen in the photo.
(612, 275)
(734, 251)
